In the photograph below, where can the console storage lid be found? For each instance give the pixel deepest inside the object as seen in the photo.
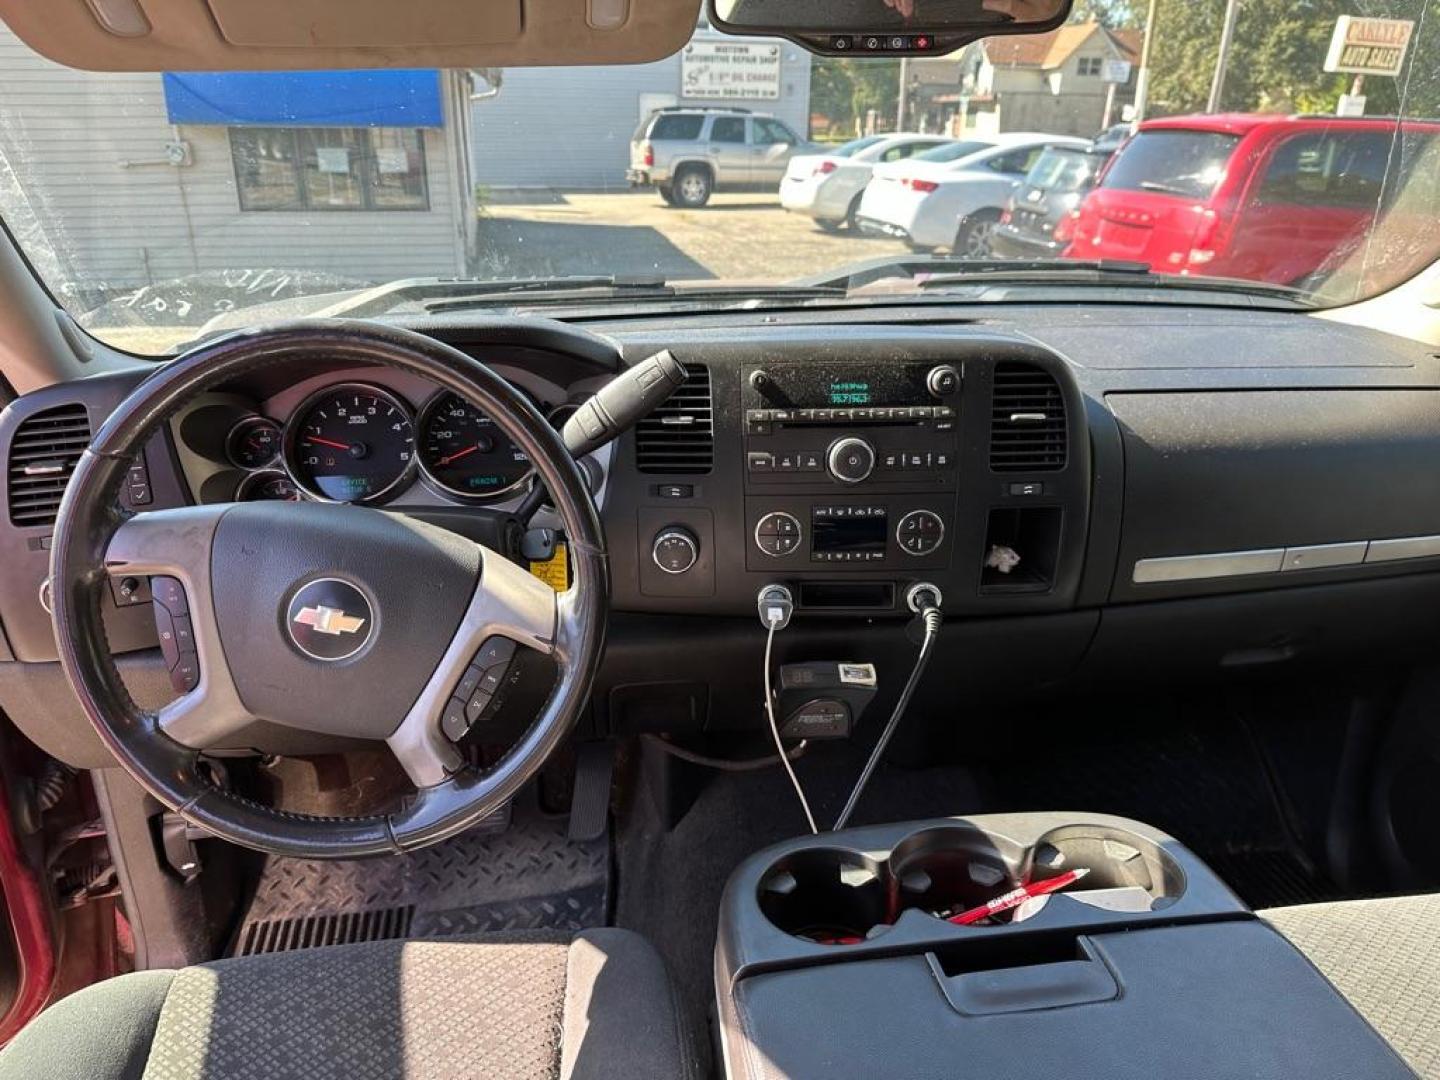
(1208, 1001)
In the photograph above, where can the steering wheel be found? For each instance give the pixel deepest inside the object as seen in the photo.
(329, 618)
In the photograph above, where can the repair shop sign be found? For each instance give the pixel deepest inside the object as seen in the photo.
(1369, 46)
(730, 71)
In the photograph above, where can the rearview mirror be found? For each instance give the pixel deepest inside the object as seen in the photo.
(886, 27)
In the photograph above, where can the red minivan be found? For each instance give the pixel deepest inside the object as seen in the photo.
(1265, 198)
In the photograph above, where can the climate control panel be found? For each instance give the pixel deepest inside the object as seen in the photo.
(895, 534)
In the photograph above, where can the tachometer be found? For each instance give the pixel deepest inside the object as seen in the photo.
(464, 451)
(351, 443)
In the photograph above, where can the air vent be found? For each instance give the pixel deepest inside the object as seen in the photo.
(1027, 420)
(679, 437)
(43, 454)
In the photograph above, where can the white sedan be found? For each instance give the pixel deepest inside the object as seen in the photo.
(945, 200)
(828, 186)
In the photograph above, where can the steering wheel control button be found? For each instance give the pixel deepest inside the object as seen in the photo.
(920, 532)
(186, 674)
(329, 619)
(494, 650)
(778, 534)
(453, 722)
(851, 459)
(468, 682)
(165, 631)
(476, 706)
(675, 550)
(169, 592)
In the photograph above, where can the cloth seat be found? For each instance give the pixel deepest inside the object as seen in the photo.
(1384, 956)
(597, 1005)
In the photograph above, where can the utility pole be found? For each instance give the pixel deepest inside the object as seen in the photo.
(904, 93)
(1227, 38)
(1142, 80)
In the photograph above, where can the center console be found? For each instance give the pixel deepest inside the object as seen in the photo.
(836, 958)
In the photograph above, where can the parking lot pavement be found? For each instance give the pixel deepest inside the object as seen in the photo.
(744, 237)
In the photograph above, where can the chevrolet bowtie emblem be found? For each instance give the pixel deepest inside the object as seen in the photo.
(328, 620)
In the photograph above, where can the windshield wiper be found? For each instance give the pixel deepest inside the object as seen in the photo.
(939, 272)
(1166, 189)
(566, 290)
(926, 270)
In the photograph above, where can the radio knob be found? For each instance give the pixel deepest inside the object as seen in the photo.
(675, 550)
(850, 459)
(943, 381)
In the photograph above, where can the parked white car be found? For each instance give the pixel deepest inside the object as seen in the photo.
(936, 200)
(828, 186)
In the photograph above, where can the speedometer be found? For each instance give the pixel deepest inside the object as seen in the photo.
(351, 443)
(464, 451)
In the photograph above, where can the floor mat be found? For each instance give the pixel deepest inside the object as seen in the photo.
(530, 876)
(1190, 768)
(670, 880)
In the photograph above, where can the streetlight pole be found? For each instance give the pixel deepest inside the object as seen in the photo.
(1142, 80)
(904, 93)
(1227, 38)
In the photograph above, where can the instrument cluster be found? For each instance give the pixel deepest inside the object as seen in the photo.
(358, 442)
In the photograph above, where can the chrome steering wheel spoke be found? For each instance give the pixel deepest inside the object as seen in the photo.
(508, 602)
(177, 544)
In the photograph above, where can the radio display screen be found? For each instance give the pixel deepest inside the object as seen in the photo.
(848, 534)
(850, 392)
(842, 385)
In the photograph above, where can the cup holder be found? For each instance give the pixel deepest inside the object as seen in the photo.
(827, 895)
(837, 896)
(1127, 872)
(953, 869)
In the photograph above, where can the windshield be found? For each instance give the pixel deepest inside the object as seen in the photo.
(161, 207)
(1064, 170)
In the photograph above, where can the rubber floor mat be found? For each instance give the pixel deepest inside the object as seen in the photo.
(1186, 768)
(529, 876)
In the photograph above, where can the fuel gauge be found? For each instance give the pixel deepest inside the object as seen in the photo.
(253, 443)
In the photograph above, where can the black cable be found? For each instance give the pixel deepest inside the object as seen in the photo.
(725, 764)
(931, 615)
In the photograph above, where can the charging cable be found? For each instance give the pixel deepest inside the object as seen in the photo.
(924, 599)
(776, 606)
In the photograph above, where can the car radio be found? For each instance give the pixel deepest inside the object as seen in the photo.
(850, 423)
(850, 466)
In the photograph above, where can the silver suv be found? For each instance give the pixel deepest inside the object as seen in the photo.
(687, 153)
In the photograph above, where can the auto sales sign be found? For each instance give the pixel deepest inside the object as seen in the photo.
(730, 71)
(1369, 46)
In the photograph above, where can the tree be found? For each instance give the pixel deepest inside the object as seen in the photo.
(844, 90)
(1111, 14)
(1277, 63)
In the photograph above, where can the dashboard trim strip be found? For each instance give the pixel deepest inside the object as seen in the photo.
(1214, 565)
(1405, 547)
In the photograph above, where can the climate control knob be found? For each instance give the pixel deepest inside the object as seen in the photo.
(675, 550)
(850, 459)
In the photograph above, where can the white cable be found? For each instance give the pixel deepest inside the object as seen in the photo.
(775, 730)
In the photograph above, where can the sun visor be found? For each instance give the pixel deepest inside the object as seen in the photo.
(259, 35)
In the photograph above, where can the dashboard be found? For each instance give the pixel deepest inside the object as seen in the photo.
(1102, 494)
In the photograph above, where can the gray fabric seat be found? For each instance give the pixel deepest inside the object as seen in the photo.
(1384, 956)
(596, 1005)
